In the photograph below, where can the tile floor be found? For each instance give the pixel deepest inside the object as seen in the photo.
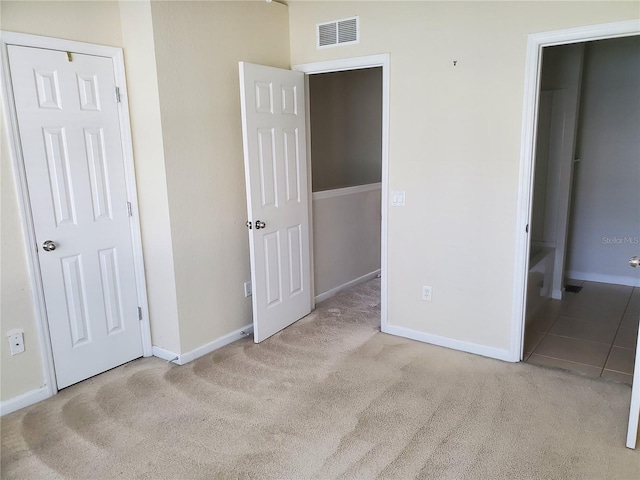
(593, 332)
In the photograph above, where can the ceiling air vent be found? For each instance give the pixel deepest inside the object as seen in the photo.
(338, 33)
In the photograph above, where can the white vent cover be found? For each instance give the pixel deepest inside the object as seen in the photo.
(338, 32)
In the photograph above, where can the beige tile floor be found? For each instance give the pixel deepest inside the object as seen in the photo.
(593, 332)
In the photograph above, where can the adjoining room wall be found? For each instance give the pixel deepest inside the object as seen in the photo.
(559, 89)
(346, 151)
(605, 215)
(198, 46)
(456, 103)
(346, 128)
(346, 237)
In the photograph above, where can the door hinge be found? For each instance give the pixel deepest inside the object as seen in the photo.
(139, 313)
(117, 94)
(129, 211)
(526, 229)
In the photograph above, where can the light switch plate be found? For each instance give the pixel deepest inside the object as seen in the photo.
(397, 198)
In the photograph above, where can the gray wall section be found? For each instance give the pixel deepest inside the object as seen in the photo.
(560, 87)
(605, 211)
(346, 128)
(346, 238)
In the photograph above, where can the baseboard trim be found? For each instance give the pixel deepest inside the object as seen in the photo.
(182, 359)
(475, 348)
(603, 278)
(352, 283)
(25, 400)
(164, 354)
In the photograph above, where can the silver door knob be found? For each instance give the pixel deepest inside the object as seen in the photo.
(260, 225)
(48, 246)
(634, 261)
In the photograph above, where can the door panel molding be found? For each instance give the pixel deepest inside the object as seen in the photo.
(24, 205)
(273, 129)
(355, 63)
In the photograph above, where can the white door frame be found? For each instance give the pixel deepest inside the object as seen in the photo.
(341, 65)
(535, 43)
(9, 107)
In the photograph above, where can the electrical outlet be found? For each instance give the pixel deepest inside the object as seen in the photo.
(426, 293)
(247, 289)
(16, 343)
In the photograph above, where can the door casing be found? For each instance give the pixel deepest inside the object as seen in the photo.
(345, 64)
(116, 54)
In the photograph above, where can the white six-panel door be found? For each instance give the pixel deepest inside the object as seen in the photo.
(70, 137)
(273, 123)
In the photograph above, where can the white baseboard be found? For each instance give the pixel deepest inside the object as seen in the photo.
(491, 352)
(352, 283)
(165, 354)
(25, 400)
(181, 359)
(603, 278)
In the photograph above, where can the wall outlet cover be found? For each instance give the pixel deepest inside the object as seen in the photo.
(16, 343)
(426, 293)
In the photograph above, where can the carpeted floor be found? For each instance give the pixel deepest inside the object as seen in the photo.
(329, 397)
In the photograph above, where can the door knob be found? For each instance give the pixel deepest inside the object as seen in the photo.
(634, 261)
(260, 225)
(48, 246)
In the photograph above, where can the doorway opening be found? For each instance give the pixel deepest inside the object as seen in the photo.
(345, 129)
(536, 44)
(365, 197)
(582, 298)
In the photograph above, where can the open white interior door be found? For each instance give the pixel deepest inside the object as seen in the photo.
(274, 137)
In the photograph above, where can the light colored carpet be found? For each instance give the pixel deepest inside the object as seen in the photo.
(329, 397)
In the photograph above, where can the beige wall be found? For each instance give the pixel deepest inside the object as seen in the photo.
(83, 21)
(19, 373)
(198, 46)
(346, 238)
(454, 145)
(346, 128)
(148, 150)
